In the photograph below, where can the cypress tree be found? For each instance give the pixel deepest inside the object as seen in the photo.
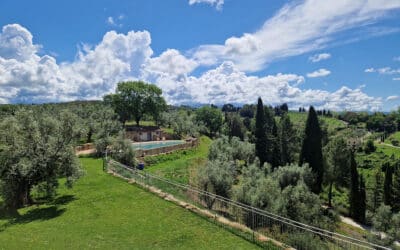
(377, 196)
(387, 186)
(276, 155)
(311, 150)
(260, 133)
(286, 140)
(269, 130)
(362, 201)
(354, 189)
(396, 187)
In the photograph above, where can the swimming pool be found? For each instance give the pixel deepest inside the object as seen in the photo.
(155, 144)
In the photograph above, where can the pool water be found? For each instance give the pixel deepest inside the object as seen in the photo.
(155, 144)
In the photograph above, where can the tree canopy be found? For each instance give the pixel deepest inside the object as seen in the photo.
(132, 100)
(36, 148)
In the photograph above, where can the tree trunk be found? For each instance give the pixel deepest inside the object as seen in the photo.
(137, 121)
(89, 136)
(330, 195)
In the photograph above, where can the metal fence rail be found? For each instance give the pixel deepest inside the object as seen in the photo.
(259, 224)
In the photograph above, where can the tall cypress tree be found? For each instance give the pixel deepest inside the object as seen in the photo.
(362, 200)
(396, 187)
(276, 154)
(260, 133)
(387, 186)
(286, 135)
(271, 137)
(377, 195)
(354, 189)
(311, 150)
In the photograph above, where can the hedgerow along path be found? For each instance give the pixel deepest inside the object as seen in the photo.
(104, 212)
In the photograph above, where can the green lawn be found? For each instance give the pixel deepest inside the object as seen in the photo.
(395, 136)
(105, 212)
(178, 165)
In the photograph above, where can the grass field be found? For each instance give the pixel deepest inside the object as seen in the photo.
(178, 165)
(104, 212)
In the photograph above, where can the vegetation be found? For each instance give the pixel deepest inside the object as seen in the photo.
(132, 100)
(36, 149)
(311, 150)
(104, 212)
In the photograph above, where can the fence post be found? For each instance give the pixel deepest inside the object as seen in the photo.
(252, 223)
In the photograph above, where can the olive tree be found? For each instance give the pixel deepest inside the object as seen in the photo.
(136, 99)
(36, 148)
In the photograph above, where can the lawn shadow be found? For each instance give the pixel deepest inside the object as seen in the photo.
(63, 200)
(53, 210)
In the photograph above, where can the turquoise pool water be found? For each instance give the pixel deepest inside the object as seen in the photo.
(155, 144)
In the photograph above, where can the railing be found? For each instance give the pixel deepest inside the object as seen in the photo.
(266, 229)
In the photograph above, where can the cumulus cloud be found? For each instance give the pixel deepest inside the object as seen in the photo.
(318, 73)
(25, 76)
(217, 3)
(319, 57)
(297, 28)
(170, 63)
(392, 98)
(227, 84)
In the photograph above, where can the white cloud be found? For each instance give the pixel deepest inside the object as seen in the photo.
(318, 73)
(369, 70)
(319, 57)
(110, 20)
(392, 98)
(96, 70)
(227, 84)
(115, 21)
(396, 79)
(217, 3)
(27, 77)
(298, 28)
(170, 62)
(383, 71)
(397, 59)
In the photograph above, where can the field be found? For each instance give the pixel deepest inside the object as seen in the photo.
(104, 212)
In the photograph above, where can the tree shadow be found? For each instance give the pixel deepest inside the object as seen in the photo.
(63, 200)
(49, 212)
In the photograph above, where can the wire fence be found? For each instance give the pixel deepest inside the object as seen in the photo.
(268, 230)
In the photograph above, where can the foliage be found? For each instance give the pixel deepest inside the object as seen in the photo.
(234, 125)
(382, 218)
(291, 175)
(396, 187)
(106, 128)
(387, 184)
(122, 151)
(36, 148)
(311, 150)
(260, 133)
(216, 177)
(337, 165)
(136, 99)
(287, 136)
(105, 212)
(211, 118)
(369, 147)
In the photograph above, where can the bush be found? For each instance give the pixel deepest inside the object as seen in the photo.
(122, 151)
(369, 147)
(305, 241)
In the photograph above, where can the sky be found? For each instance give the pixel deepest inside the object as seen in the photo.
(332, 54)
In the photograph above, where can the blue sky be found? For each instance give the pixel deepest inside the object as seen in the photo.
(330, 54)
